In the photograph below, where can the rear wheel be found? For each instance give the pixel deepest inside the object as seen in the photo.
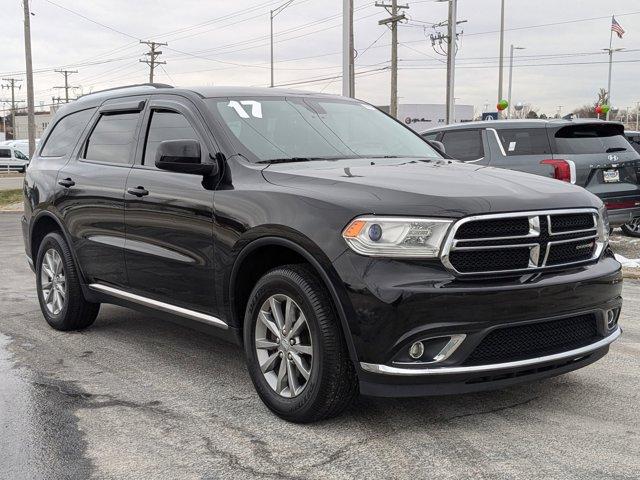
(632, 228)
(58, 283)
(296, 353)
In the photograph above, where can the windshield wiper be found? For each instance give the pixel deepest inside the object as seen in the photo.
(615, 149)
(303, 159)
(286, 160)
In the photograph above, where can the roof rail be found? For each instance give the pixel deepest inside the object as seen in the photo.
(154, 85)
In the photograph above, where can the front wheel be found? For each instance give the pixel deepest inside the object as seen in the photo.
(632, 228)
(58, 283)
(296, 352)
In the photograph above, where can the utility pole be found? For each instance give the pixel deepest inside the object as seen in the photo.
(31, 119)
(393, 20)
(451, 61)
(511, 77)
(348, 67)
(501, 63)
(66, 86)
(153, 55)
(11, 85)
(637, 114)
(273, 15)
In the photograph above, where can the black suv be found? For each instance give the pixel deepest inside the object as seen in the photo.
(333, 243)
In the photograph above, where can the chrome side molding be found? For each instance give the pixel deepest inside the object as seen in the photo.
(157, 305)
(570, 354)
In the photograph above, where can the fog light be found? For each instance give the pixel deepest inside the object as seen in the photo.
(612, 318)
(416, 350)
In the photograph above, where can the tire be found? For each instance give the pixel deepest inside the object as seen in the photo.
(331, 385)
(63, 304)
(632, 228)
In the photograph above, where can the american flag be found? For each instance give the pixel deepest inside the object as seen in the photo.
(616, 27)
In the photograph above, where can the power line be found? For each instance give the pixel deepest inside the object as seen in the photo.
(92, 20)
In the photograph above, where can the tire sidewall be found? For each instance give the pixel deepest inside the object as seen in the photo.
(52, 240)
(276, 283)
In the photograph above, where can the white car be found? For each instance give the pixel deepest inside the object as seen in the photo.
(11, 158)
(22, 145)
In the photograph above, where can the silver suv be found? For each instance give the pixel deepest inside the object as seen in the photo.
(590, 153)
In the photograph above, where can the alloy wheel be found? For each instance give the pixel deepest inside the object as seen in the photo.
(284, 346)
(52, 281)
(634, 225)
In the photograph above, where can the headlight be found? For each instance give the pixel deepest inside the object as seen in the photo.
(604, 216)
(396, 236)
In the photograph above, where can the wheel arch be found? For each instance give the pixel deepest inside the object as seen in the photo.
(44, 223)
(318, 261)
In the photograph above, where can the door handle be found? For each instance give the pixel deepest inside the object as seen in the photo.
(138, 191)
(66, 183)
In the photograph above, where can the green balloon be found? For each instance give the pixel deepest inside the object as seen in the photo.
(605, 108)
(502, 104)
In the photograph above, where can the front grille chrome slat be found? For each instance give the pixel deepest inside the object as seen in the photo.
(527, 241)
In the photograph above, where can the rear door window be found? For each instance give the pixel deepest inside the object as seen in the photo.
(590, 139)
(113, 139)
(524, 141)
(65, 134)
(5, 153)
(463, 144)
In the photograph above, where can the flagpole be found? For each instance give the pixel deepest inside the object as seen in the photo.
(610, 64)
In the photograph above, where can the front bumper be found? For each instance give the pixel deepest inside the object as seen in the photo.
(394, 303)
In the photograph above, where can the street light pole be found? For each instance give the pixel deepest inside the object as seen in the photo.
(272, 15)
(512, 48)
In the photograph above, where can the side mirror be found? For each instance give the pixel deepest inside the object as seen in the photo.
(182, 156)
(437, 145)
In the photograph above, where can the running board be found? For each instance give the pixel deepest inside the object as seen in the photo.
(157, 305)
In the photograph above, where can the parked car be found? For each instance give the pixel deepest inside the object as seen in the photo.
(633, 138)
(22, 145)
(590, 153)
(12, 159)
(333, 243)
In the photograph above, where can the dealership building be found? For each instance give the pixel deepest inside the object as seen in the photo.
(423, 116)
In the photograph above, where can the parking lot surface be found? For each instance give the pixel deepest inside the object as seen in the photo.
(138, 397)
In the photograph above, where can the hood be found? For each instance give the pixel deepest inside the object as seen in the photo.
(433, 187)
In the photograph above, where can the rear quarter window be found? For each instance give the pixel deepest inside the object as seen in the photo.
(65, 134)
(5, 153)
(463, 145)
(524, 141)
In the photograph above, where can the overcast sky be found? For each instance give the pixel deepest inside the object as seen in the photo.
(219, 42)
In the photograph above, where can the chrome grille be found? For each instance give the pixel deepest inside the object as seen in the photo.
(522, 241)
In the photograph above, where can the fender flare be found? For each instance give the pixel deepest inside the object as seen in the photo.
(325, 276)
(65, 234)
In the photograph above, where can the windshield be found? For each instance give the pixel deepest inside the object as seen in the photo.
(295, 128)
(587, 139)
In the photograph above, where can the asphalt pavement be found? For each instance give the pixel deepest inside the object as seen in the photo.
(139, 397)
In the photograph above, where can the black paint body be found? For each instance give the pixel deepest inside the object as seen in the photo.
(185, 242)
